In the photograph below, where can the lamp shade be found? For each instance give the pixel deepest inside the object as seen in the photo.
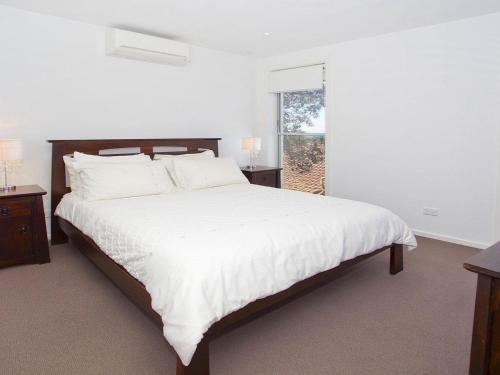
(11, 150)
(251, 144)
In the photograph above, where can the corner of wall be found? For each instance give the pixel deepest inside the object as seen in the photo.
(496, 229)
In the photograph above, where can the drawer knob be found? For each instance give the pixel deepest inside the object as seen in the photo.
(4, 210)
(23, 228)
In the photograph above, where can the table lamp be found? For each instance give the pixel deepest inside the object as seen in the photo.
(253, 145)
(11, 154)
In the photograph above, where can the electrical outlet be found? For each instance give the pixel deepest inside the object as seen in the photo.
(431, 211)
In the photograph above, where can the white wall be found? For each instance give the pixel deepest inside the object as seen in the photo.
(412, 120)
(413, 116)
(57, 83)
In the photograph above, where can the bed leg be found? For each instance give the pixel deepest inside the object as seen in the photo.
(396, 258)
(57, 236)
(199, 364)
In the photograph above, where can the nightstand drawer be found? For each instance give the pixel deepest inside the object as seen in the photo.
(16, 207)
(265, 179)
(16, 242)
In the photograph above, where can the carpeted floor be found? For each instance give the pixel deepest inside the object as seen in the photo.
(67, 318)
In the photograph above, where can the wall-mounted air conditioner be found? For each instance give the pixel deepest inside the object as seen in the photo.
(145, 47)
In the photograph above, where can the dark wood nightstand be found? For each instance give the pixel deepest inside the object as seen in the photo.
(484, 354)
(265, 176)
(23, 234)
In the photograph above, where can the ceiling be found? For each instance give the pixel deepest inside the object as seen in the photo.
(239, 25)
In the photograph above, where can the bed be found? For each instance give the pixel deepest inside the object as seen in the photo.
(201, 263)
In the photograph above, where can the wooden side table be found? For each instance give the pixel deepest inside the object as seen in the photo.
(485, 348)
(265, 176)
(23, 233)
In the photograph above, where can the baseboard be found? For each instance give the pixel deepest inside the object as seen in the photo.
(458, 241)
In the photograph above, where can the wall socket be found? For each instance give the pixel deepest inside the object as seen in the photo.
(431, 211)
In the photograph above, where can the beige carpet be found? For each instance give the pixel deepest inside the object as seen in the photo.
(67, 318)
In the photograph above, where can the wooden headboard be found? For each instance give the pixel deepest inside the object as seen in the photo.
(61, 148)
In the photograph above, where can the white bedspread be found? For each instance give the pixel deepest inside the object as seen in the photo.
(204, 254)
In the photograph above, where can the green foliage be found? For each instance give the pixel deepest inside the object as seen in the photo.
(298, 111)
(303, 152)
(299, 108)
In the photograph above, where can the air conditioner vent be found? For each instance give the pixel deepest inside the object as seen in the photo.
(138, 46)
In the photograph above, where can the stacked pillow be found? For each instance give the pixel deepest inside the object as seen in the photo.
(169, 161)
(94, 160)
(93, 177)
(202, 170)
(200, 174)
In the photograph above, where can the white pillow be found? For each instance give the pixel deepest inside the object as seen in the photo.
(79, 156)
(73, 176)
(110, 181)
(195, 174)
(168, 161)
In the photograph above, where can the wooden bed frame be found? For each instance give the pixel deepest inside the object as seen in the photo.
(62, 229)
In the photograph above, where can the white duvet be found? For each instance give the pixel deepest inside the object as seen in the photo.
(203, 254)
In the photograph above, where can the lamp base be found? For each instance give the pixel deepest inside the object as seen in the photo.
(5, 189)
(253, 158)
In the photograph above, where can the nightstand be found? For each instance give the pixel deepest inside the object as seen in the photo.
(23, 234)
(265, 176)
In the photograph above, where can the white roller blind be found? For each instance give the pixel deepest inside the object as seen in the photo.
(296, 79)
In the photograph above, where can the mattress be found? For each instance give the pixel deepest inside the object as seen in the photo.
(204, 254)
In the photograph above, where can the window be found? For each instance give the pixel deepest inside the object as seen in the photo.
(301, 134)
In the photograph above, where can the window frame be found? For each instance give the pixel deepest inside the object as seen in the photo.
(281, 134)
